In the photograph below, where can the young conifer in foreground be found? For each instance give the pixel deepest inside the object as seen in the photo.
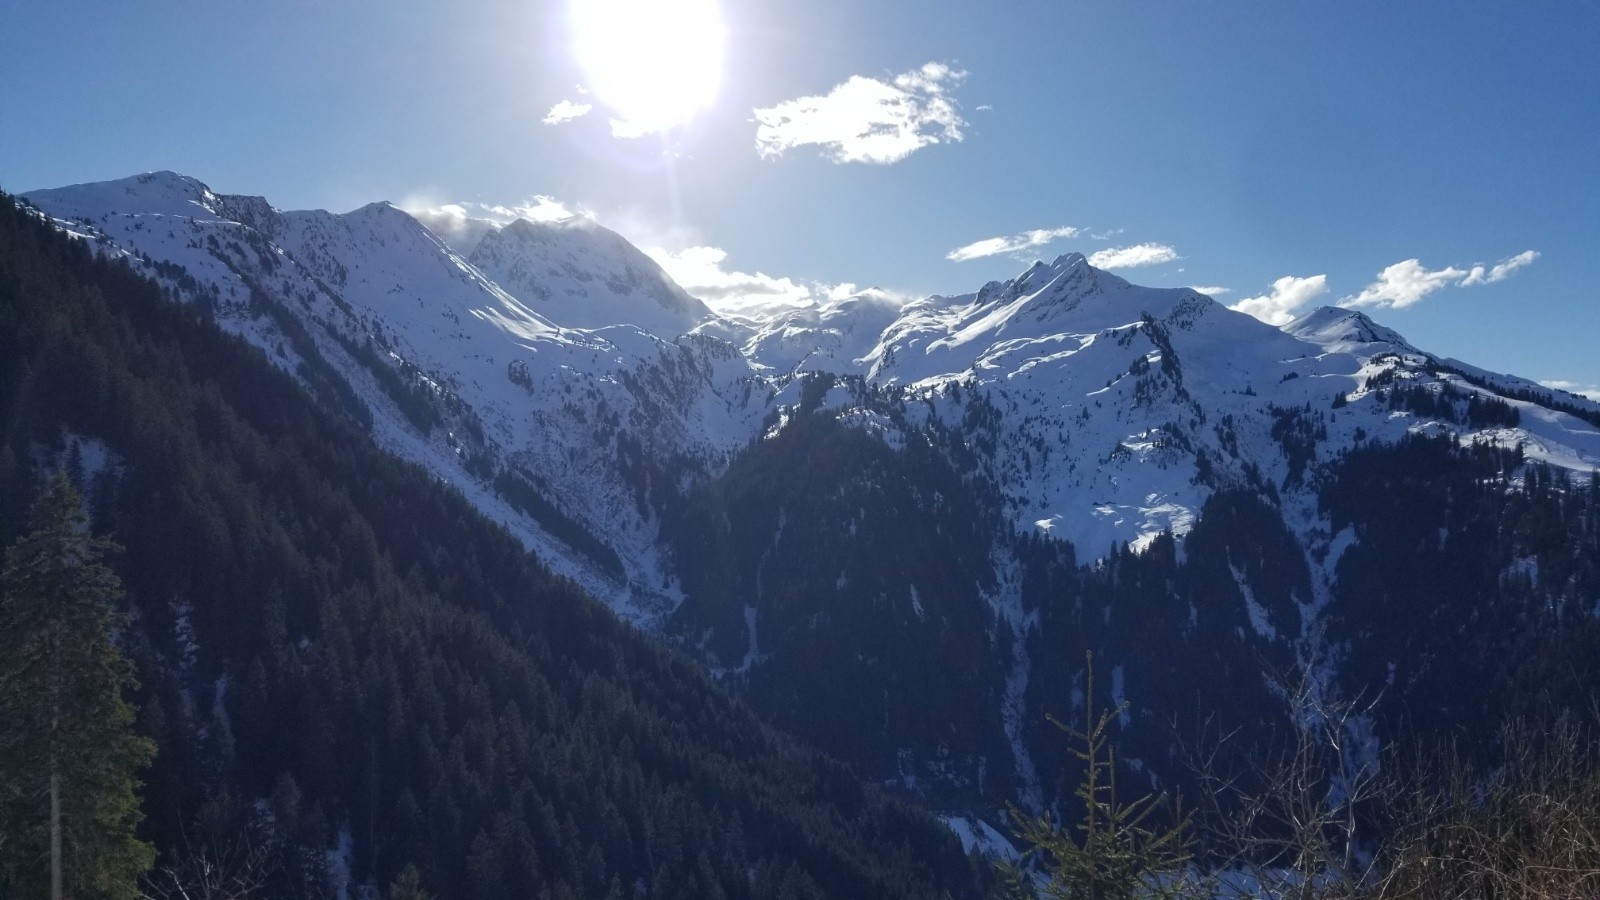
(1119, 851)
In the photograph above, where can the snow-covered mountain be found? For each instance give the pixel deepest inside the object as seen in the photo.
(833, 335)
(1112, 394)
(585, 276)
(560, 379)
(481, 385)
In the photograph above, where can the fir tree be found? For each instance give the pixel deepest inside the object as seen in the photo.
(68, 752)
(1116, 852)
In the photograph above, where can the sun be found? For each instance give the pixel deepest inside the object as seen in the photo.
(654, 63)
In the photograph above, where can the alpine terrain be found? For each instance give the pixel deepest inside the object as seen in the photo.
(895, 528)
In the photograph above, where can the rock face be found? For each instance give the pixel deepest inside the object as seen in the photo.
(898, 526)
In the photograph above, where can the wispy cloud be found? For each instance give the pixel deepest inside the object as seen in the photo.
(703, 272)
(538, 208)
(1210, 290)
(866, 119)
(1025, 240)
(453, 223)
(1502, 270)
(1407, 282)
(1132, 257)
(1591, 391)
(682, 252)
(847, 289)
(1404, 284)
(1289, 295)
(462, 225)
(566, 111)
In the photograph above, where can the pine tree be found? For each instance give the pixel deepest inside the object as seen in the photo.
(68, 752)
(1115, 853)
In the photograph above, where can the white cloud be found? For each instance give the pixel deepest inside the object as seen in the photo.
(847, 289)
(866, 119)
(702, 272)
(1406, 282)
(1210, 290)
(566, 111)
(1131, 257)
(1289, 295)
(696, 266)
(462, 225)
(1025, 240)
(453, 223)
(1592, 391)
(1502, 270)
(537, 208)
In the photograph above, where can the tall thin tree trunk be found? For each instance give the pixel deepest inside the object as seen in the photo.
(56, 680)
(55, 836)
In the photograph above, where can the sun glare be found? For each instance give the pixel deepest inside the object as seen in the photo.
(654, 63)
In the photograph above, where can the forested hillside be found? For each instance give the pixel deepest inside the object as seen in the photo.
(895, 528)
(866, 596)
(342, 661)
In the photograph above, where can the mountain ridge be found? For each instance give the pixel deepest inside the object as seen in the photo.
(351, 671)
(1088, 424)
(600, 276)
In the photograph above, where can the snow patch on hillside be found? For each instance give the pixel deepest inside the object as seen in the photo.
(978, 836)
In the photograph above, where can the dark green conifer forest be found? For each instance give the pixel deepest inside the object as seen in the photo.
(1464, 600)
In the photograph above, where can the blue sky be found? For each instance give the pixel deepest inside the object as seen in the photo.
(1287, 152)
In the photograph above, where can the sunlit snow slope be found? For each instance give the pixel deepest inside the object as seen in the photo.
(559, 378)
(560, 352)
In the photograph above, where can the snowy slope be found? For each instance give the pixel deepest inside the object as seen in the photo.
(1117, 408)
(1110, 393)
(561, 380)
(1345, 330)
(585, 276)
(514, 390)
(833, 335)
(1111, 398)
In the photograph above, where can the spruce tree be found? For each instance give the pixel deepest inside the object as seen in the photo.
(68, 752)
(1116, 852)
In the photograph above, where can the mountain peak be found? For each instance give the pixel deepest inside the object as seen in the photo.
(1336, 325)
(382, 211)
(519, 228)
(528, 230)
(545, 231)
(1068, 268)
(168, 179)
(163, 192)
(581, 274)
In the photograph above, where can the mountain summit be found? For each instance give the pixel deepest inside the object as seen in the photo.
(583, 275)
